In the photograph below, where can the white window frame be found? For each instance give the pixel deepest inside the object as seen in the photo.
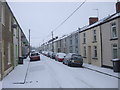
(84, 54)
(95, 52)
(94, 35)
(113, 25)
(84, 37)
(113, 50)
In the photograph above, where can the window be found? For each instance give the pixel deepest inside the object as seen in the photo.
(95, 51)
(84, 51)
(71, 49)
(94, 35)
(70, 42)
(76, 38)
(114, 51)
(84, 38)
(9, 54)
(113, 30)
(3, 15)
(10, 23)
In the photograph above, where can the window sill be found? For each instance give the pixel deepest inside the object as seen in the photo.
(95, 58)
(113, 39)
(83, 43)
(94, 42)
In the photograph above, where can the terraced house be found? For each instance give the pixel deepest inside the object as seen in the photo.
(91, 42)
(110, 30)
(0, 40)
(100, 40)
(10, 40)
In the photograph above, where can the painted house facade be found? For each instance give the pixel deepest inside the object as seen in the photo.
(0, 39)
(10, 40)
(91, 43)
(76, 42)
(111, 38)
(7, 40)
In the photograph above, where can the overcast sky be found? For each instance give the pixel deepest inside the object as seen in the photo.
(41, 18)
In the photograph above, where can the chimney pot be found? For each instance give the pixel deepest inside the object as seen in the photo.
(93, 20)
(118, 7)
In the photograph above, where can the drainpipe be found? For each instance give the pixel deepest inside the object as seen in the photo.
(101, 46)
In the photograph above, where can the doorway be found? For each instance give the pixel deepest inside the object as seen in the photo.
(89, 54)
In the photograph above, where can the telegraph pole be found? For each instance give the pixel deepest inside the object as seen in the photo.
(29, 42)
(52, 42)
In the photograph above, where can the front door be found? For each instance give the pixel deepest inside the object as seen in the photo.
(89, 54)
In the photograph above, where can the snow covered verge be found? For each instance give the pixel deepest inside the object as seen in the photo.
(103, 70)
(0, 85)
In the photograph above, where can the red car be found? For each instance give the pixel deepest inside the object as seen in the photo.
(34, 57)
(60, 56)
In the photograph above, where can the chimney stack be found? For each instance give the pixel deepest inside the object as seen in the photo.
(93, 20)
(118, 7)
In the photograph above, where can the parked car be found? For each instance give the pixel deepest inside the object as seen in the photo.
(54, 55)
(50, 54)
(60, 56)
(46, 53)
(35, 56)
(73, 59)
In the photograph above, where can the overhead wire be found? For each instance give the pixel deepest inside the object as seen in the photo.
(67, 17)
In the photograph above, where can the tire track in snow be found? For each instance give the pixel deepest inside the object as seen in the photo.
(51, 73)
(70, 73)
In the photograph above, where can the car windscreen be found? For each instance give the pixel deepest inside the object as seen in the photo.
(61, 55)
(35, 54)
(76, 57)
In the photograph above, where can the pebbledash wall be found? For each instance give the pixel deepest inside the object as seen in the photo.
(110, 43)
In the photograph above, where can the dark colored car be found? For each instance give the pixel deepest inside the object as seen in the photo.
(73, 59)
(53, 55)
(35, 57)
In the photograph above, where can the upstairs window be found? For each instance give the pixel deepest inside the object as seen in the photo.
(113, 30)
(84, 38)
(94, 36)
(3, 15)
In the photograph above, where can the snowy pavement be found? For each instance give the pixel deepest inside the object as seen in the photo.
(49, 73)
(0, 85)
(103, 70)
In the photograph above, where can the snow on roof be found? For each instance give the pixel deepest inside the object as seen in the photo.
(114, 16)
(109, 17)
(101, 21)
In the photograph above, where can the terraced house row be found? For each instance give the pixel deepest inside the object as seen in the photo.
(13, 42)
(98, 42)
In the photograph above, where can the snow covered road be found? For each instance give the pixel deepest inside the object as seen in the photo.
(49, 73)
